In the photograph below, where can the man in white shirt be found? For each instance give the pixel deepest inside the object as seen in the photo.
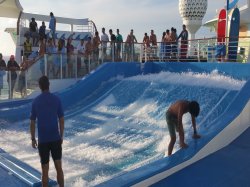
(104, 41)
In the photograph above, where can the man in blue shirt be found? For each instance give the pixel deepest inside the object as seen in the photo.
(52, 27)
(47, 109)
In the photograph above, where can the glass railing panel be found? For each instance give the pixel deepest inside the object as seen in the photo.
(12, 87)
(4, 86)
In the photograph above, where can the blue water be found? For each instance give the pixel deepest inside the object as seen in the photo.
(121, 125)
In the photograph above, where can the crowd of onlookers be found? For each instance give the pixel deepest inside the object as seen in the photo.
(107, 46)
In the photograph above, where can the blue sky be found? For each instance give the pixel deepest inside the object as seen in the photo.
(140, 15)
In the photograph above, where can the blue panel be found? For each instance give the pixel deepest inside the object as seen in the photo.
(229, 166)
(19, 173)
(107, 77)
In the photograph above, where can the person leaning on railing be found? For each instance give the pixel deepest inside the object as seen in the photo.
(12, 67)
(96, 44)
(173, 37)
(162, 47)
(167, 41)
(146, 46)
(2, 71)
(80, 53)
(129, 45)
(184, 42)
(70, 55)
(119, 41)
(88, 53)
(21, 80)
(61, 50)
(153, 41)
(104, 42)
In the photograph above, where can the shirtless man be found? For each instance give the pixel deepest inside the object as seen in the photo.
(174, 116)
(153, 41)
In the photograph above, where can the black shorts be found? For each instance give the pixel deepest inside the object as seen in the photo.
(55, 148)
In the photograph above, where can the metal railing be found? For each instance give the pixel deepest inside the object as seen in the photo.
(13, 87)
(200, 50)
(75, 66)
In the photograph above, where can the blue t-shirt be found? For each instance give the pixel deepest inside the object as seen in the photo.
(52, 23)
(47, 108)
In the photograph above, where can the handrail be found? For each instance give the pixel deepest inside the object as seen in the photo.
(75, 66)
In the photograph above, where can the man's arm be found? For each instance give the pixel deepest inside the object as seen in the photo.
(61, 126)
(179, 36)
(32, 133)
(195, 135)
(135, 39)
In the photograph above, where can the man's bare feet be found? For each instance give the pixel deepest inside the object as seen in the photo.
(196, 136)
(183, 145)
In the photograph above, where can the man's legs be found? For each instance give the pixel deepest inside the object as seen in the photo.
(59, 171)
(171, 144)
(44, 158)
(182, 137)
(56, 153)
(45, 175)
(171, 128)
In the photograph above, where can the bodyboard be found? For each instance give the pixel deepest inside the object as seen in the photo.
(234, 35)
(221, 26)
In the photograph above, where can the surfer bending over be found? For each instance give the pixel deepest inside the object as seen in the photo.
(174, 120)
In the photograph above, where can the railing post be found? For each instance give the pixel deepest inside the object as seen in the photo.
(45, 65)
(61, 68)
(89, 63)
(10, 85)
(141, 53)
(122, 51)
(26, 83)
(133, 51)
(198, 51)
(76, 65)
(178, 51)
(113, 51)
(102, 53)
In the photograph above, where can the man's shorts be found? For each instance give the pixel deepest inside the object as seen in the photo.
(172, 123)
(55, 148)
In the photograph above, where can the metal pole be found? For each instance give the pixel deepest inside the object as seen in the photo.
(76, 66)
(61, 68)
(45, 65)
(198, 51)
(10, 91)
(227, 19)
(89, 64)
(26, 84)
